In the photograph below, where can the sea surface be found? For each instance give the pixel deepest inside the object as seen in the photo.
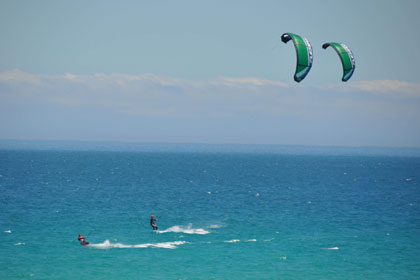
(225, 212)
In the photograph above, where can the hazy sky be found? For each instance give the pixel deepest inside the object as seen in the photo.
(208, 72)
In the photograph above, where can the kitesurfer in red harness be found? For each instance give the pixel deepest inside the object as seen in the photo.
(82, 240)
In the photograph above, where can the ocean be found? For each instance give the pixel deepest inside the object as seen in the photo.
(224, 212)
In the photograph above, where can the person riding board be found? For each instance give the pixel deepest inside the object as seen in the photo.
(82, 240)
(152, 222)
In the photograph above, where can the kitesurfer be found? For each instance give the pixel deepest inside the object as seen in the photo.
(82, 240)
(152, 222)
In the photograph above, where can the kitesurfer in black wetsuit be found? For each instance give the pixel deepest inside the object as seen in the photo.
(152, 222)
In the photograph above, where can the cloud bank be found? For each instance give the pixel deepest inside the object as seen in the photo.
(148, 107)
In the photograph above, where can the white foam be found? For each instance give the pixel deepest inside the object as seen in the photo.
(214, 226)
(109, 245)
(188, 230)
(232, 241)
(333, 248)
(166, 245)
(252, 240)
(8, 231)
(19, 244)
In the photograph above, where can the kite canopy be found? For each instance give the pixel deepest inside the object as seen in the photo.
(304, 54)
(347, 59)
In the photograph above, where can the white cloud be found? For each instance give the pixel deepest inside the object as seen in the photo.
(234, 108)
(247, 82)
(19, 76)
(149, 94)
(393, 87)
(152, 95)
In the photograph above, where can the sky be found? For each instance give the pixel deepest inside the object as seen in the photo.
(209, 72)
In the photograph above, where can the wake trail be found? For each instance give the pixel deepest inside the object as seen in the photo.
(108, 245)
(188, 230)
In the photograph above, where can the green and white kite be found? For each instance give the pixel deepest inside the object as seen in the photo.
(304, 54)
(347, 59)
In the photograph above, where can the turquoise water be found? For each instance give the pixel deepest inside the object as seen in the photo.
(326, 214)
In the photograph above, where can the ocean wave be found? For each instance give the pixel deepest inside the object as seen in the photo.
(238, 240)
(108, 245)
(214, 226)
(333, 248)
(232, 241)
(188, 230)
(8, 231)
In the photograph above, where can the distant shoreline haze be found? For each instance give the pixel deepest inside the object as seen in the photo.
(203, 148)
